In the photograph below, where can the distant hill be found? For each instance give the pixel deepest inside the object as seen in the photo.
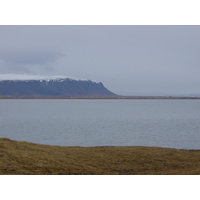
(59, 87)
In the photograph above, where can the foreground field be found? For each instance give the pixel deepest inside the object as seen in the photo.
(28, 158)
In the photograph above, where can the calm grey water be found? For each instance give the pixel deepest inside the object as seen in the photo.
(161, 123)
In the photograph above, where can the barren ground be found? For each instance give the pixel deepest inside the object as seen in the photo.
(28, 158)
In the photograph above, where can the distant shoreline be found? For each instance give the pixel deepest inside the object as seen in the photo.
(117, 98)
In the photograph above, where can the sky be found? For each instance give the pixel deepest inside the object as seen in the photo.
(127, 59)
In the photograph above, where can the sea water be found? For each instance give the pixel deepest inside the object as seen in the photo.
(95, 122)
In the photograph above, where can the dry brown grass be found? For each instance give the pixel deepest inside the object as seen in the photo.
(28, 158)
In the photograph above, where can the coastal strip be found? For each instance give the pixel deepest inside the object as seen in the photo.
(117, 98)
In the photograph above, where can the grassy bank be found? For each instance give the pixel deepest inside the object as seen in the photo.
(29, 158)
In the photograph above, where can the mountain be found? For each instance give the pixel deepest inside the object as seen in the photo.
(59, 87)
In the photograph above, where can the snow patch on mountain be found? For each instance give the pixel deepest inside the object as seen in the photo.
(16, 78)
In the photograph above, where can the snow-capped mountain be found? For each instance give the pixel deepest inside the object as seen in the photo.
(58, 87)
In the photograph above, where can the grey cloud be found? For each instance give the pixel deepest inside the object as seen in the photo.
(29, 56)
(49, 68)
(30, 45)
(6, 68)
(9, 70)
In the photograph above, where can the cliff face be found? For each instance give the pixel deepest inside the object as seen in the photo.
(60, 87)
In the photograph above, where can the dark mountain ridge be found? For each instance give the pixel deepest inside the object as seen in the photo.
(59, 87)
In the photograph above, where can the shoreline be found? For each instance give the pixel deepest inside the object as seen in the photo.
(25, 158)
(115, 98)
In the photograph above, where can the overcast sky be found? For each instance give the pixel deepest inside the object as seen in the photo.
(128, 60)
